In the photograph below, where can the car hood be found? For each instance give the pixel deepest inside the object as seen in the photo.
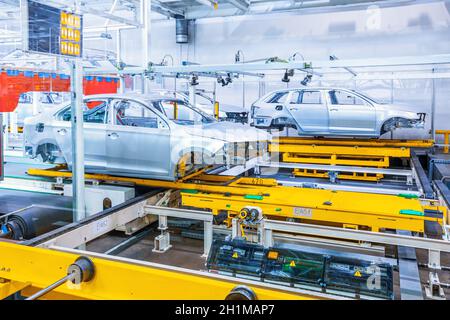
(399, 107)
(228, 131)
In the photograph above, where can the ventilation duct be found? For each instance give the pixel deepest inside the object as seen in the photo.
(182, 30)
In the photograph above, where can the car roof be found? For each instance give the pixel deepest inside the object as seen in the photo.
(133, 96)
(313, 88)
(139, 97)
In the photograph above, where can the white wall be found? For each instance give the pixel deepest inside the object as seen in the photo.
(419, 29)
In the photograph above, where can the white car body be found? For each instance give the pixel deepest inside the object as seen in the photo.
(140, 136)
(331, 112)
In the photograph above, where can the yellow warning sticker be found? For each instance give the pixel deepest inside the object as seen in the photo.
(292, 264)
(357, 273)
(235, 255)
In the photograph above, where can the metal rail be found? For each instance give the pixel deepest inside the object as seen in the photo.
(215, 177)
(122, 278)
(288, 165)
(380, 189)
(317, 64)
(72, 228)
(204, 216)
(346, 207)
(355, 142)
(51, 287)
(422, 178)
(375, 211)
(179, 213)
(357, 235)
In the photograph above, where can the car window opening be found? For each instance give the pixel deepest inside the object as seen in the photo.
(345, 98)
(183, 114)
(133, 114)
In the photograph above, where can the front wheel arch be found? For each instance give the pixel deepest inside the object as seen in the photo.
(391, 124)
(282, 123)
(188, 161)
(47, 152)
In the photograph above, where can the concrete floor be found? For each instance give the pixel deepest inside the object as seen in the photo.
(17, 167)
(187, 253)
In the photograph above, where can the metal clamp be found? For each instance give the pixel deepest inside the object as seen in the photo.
(241, 293)
(82, 270)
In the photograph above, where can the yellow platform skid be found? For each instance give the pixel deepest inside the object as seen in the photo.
(373, 211)
(339, 155)
(232, 194)
(345, 152)
(30, 269)
(392, 143)
(342, 176)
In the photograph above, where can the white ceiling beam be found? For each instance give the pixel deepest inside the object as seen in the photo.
(111, 11)
(315, 64)
(109, 16)
(84, 9)
(309, 6)
(242, 5)
(210, 3)
(14, 3)
(159, 7)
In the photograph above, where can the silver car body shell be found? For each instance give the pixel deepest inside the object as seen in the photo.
(137, 151)
(332, 120)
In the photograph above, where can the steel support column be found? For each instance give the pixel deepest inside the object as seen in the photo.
(208, 237)
(192, 96)
(145, 35)
(78, 180)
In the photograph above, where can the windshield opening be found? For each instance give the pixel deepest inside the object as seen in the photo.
(367, 97)
(182, 113)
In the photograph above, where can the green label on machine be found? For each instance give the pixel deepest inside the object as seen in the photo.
(191, 191)
(408, 196)
(253, 197)
(412, 212)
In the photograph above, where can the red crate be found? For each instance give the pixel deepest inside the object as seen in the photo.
(15, 82)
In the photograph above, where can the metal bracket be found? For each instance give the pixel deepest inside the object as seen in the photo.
(162, 242)
(434, 259)
(434, 290)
